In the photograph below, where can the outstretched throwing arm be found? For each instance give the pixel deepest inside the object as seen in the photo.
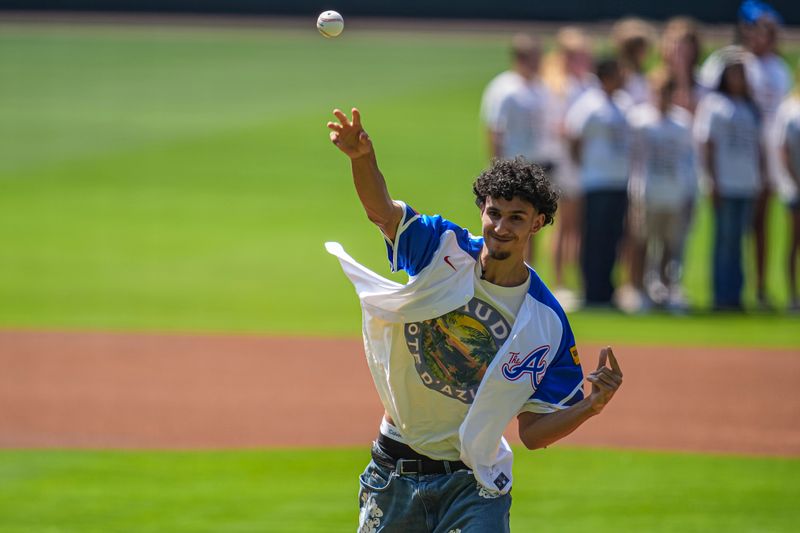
(350, 137)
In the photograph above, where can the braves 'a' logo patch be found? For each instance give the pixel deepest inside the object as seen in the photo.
(532, 365)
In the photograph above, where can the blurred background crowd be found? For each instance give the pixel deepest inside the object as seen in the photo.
(633, 145)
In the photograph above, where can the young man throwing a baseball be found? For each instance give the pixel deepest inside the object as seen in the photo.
(473, 339)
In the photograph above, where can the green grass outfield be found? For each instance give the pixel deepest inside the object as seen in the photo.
(556, 490)
(158, 178)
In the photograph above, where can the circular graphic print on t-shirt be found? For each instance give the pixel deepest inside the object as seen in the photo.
(452, 352)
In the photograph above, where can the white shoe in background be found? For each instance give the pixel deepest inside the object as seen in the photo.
(568, 299)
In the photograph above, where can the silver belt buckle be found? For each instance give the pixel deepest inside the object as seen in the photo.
(414, 466)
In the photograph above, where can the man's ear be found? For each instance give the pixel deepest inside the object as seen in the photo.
(537, 223)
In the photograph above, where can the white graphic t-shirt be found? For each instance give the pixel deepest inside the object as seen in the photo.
(663, 155)
(437, 365)
(733, 125)
(501, 85)
(773, 82)
(788, 132)
(600, 124)
(522, 121)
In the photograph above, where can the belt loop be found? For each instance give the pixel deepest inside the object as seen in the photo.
(447, 467)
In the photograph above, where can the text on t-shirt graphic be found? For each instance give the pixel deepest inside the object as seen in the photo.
(452, 352)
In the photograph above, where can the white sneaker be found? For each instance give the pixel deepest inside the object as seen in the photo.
(629, 300)
(568, 299)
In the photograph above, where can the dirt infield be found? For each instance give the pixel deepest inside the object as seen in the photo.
(104, 390)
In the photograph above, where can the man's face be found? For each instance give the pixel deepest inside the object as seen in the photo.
(508, 225)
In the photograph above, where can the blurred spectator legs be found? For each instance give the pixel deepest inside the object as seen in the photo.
(566, 248)
(733, 218)
(760, 233)
(604, 216)
(794, 252)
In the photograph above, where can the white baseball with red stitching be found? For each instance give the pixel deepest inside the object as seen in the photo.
(330, 24)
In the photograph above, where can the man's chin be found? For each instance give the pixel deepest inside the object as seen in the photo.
(498, 255)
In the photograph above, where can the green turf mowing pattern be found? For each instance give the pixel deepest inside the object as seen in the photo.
(172, 179)
(556, 490)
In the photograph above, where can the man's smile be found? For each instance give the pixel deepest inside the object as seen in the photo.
(497, 237)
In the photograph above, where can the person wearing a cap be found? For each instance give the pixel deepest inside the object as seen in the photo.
(769, 81)
(772, 81)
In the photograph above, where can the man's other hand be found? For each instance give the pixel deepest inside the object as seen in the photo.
(349, 136)
(605, 381)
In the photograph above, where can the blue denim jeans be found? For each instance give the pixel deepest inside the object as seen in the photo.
(438, 503)
(733, 219)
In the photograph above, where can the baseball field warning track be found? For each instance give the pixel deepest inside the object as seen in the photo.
(108, 390)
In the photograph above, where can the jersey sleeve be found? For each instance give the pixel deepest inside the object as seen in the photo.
(562, 384)
(417, 239)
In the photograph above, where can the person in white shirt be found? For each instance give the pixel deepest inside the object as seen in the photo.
(522, 129)
(567, 73)
(663, 160)
(769, 80)
(788, 138)
(680, 55)
(473, 339)
(525, 59)
(516, 113)
(758, 26)
(600, 145)
(632, 39)
(728, 129)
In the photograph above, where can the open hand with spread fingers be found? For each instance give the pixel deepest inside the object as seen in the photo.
(349, 136)
(605, 381)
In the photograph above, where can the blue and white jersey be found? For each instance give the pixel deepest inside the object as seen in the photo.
(453, 358)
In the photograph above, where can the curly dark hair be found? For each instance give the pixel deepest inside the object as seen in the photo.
(507, 178)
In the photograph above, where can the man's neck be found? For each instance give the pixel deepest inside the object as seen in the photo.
(509, 272)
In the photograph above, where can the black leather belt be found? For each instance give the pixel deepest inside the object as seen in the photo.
(394, 455)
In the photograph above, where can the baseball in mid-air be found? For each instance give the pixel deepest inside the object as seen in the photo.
(330, 23)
